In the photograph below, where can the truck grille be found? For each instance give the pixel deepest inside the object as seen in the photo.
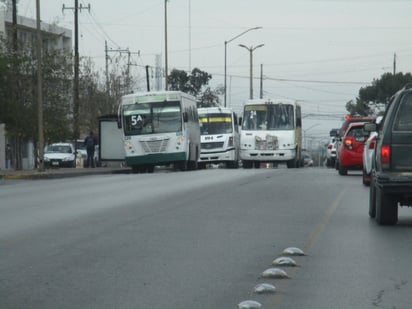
(212, 145)
(154, 146)
(269, 143)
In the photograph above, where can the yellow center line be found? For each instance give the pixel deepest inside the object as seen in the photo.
(322, 224)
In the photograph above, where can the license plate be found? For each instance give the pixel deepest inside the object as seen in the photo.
(55, 163)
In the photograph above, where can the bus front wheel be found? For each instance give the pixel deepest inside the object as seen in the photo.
(291, 163)
(247, 164)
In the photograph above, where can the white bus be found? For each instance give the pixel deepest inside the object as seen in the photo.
(160, 128)
(271, 133)
(219, 135)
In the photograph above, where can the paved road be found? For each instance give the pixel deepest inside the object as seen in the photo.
(198, 239)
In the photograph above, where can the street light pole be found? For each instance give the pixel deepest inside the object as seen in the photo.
(251, 49)
(226, 42)
(166, 60)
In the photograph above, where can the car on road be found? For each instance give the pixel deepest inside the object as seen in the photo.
(342, 131)
(307, 159)
(60, 155)
(331, 152)
(368, 150)
(391, 176)
(351, 149)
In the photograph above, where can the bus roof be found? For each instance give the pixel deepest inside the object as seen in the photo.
(217, 109)
(271, 101)
(155, 96)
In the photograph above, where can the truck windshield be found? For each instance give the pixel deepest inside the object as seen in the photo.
(215, 123)
(152, 118)
(268, 117)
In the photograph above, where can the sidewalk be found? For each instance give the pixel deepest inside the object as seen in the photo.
(53, 173)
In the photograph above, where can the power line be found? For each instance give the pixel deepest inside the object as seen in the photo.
(301, 80)
(99, 27)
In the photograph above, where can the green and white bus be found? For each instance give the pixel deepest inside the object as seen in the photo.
(160, 128)
(271, 133)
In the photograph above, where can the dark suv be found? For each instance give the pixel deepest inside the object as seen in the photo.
(391, 182)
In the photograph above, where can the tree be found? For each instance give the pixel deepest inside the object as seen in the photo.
(92, 96)
(209, 97)
(57, 96)
(18, 96)
(384, 88)
(379, 92)
(180, 81)
(95, 99)
(358, 107)
(197, 80)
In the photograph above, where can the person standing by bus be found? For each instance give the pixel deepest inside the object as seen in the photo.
(90, 143)
(8, 156)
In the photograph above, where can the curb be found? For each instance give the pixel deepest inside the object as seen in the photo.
(34, 175)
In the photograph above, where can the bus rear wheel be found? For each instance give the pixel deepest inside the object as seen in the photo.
(150, 168)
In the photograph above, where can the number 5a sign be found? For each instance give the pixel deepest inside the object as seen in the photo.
(136, 119)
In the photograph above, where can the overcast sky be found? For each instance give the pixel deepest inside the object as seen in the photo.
(320, 52)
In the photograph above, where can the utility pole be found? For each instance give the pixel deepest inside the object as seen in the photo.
(129, 53)
(147, 78)
(190, 38)
(76, 103)
(106, 53)
(15, 92)
(394, 64)
(261, 81)
(39, 89)
(166, 60)
(14, 21)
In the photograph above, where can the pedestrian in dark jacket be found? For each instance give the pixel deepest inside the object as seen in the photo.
(90, 142)
(9, 157)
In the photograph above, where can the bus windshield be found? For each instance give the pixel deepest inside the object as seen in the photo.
(215, 123)
(268, 117)
(151, 118)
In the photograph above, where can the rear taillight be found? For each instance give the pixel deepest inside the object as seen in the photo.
(385, 155)
(348, 142)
